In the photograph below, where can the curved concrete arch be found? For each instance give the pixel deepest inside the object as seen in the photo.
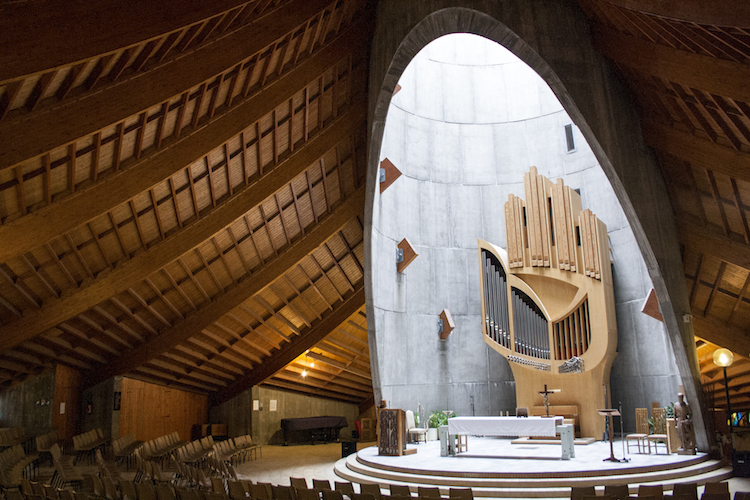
(553, 39)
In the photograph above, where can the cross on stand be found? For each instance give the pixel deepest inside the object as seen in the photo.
(546, 394)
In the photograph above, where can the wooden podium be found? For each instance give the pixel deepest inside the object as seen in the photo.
(609, 413)
(392, 433)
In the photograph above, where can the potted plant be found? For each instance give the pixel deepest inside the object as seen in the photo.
(437, 418)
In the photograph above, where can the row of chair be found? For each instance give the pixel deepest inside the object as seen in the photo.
(162, 447)
(85, 444)
(680, 491)
(236, 450)
(45, 441)
(14, 464)
(11, 436)
(65, 473)
(195, 450)
(124, 447)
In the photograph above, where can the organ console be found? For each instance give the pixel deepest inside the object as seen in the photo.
(548, 301)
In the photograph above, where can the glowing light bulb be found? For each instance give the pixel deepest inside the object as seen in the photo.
(304, 373)
(312, 364)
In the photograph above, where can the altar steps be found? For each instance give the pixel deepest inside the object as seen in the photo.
(534, 483)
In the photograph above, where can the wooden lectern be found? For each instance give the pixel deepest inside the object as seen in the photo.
(392, 433)
(609, 413)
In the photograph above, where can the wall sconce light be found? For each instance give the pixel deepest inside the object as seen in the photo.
(405, 254)
(387, 174)
(43, 402)
(445, 324)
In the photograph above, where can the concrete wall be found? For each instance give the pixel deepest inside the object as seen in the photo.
(469, 120)
(20, 404)
(265, 425)
(101, 399)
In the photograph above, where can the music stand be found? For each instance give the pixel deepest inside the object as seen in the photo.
(609, 413)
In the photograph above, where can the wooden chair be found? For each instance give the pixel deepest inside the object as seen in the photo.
(345, 487)
(401, 490)
(685, 490)
(617, 491)
(372, 489)
(659, 417)
(716, 491)
(462, 493)
(332, 495)
(415, 432)
(363, 496)
(578, 492)
(298, 482)
(127, 490)
(428, 492)
(651, 490)
(237, 490)
(307, 494)
(321, 484)
(641, 431)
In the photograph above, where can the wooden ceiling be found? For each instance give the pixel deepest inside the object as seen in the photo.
(690, 79)
(186, 208)
(181, 190)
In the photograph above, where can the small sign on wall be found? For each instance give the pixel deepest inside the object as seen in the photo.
(256, 404)
(62, 408)
(117, 401)
(272, 405)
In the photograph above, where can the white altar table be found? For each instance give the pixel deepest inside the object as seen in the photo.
(513, 426)
(504, 426)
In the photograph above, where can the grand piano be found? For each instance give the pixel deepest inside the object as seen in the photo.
(314, 428)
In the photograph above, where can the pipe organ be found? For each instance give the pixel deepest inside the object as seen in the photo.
(548, 302)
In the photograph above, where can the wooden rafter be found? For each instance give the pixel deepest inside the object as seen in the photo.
(196, 322)
(289, 352)
(159, 255)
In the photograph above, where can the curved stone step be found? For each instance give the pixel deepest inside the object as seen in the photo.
(703, 471)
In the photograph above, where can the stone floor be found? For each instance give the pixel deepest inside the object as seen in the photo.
(279, 463)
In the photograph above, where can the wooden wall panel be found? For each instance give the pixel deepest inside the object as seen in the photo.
(149, 410)
(67, 391)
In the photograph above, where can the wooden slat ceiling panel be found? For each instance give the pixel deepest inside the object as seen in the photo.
(306, 218)
(110, 67)
(131, 134)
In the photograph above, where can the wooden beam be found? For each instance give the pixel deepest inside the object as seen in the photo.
(32, 230)
(194, 323)
(731, 337)
(700, 238)
(717, 76)
(157, 256)
(734, 13)
(75, 118)
(288, 353)
(697, 151)
(71, 31)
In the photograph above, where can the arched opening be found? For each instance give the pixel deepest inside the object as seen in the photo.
(604, 148)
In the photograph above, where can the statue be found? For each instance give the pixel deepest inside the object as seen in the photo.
(684, 426)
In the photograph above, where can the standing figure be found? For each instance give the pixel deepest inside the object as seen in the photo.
(684, 426)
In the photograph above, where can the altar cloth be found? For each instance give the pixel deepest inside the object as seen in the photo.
(504, 426)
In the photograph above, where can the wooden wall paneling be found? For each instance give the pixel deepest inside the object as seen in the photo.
(68, 383)
(149, 411)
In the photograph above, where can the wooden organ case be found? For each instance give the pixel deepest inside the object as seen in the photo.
(548, 302)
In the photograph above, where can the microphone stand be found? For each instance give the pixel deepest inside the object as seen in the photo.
(622, 436)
